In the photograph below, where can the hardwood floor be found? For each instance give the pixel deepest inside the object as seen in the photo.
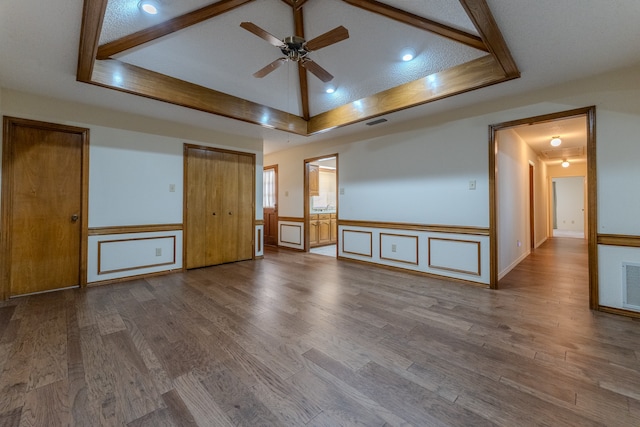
(300, 339)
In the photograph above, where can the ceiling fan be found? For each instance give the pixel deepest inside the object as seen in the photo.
(297, 48)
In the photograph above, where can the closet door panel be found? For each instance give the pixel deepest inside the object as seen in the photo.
(196, 203)
(228, 180)
(246, 207)
(215, 190)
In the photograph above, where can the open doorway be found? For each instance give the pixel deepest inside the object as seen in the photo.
(521, 217)
(270, 204)
(321, 205)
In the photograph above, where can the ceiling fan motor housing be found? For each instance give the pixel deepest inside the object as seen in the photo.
(294, 48)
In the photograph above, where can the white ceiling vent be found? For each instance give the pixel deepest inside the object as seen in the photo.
(631, 284)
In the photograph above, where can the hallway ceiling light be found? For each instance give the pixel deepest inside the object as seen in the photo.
(555, 141)
(565, 163)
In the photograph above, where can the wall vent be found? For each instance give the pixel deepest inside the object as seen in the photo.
(376, 122)
(631, 286)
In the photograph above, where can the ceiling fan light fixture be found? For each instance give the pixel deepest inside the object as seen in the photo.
(330, 90)
(149, 7)
(555, 141)
(565, 163)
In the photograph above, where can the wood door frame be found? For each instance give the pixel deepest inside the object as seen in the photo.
(185, 148)
(7, 196)
(275, 168)
(592, 192)
(305, 166)
(532, 211)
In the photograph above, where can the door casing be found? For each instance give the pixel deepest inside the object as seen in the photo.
(8, 179)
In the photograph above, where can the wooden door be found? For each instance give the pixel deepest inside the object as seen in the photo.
(270, 205)
(219, 206)
(197, 212)
(227, 244)
(43, 206)
(246, 207)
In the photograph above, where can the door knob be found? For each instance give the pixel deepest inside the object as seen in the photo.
(74, 217)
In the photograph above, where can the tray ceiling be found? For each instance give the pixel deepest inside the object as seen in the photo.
(195, 54)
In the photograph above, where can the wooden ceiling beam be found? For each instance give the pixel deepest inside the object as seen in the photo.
(465, 77)
(92, 18)
(164, 28)
(420, 22)
(482, 18)
(298, 21)
(298, 4)
(150, 84)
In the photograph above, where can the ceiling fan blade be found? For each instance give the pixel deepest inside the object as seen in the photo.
(251, 27)
(317, 70)
(330, 37)
(269, 68)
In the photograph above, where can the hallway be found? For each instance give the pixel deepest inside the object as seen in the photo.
(557, 271)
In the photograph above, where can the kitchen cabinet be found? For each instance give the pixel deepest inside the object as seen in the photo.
(324, 229)
(320, 229)
(313, 230)
(314, 180)
(334, 228)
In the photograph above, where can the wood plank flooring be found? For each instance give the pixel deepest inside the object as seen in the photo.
(301, 339)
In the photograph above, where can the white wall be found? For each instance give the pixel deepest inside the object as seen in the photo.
(418, 172)
(512, 185)
(577, 169)
(513, 200)
(570, 203)
(131, 169)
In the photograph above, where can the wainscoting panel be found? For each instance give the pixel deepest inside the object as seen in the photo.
(291, 234)
(462, 256)
(115, 256)
(259, 241)
(399, 248)
(356, 242)
(454, 252)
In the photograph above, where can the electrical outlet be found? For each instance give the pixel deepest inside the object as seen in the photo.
(158, 251)
(472, 184)
(172, 188)
(342, 191)
(393, 248)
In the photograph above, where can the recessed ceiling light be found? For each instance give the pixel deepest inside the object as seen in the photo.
(330, 89)
(408, 55)
(565, 164)
(555, 141)
(149, 7)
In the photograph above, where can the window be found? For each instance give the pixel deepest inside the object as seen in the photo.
(269, 188)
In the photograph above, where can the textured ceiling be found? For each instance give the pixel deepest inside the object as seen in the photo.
(572, 131)
(551, 42)
(220, 55)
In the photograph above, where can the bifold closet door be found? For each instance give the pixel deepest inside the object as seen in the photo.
(196, 208)
(224, 184)
(246, 207)
(219, 207)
